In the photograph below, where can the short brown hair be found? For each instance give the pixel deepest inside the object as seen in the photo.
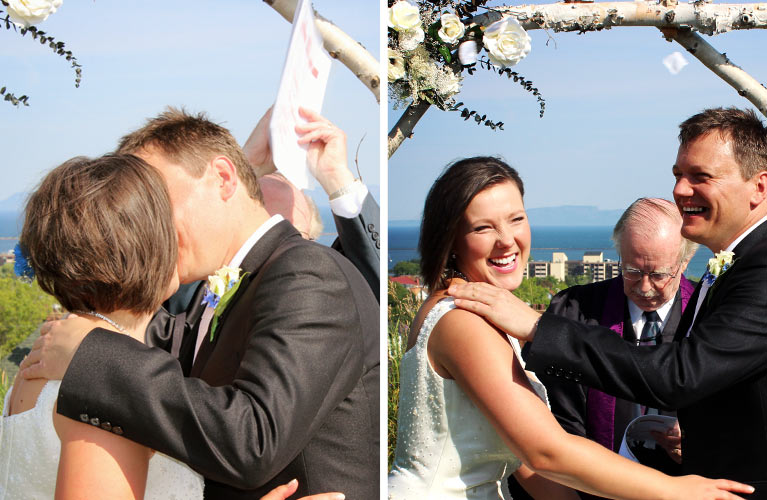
(742, 127)
(99, 235)
(446, 203)
(191, 141)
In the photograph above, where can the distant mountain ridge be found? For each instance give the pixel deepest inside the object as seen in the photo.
(563, 215)
(14, 203)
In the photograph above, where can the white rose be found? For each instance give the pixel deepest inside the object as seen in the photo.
(404, 16)
(506, 42)
(396, 66)
(452, 28)
(216, 285)
(228, 274)
(25, 13)
(467, 52)
(409, 40)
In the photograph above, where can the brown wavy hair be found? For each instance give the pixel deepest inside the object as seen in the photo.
(191, 141)
(446, 203)
(99, 235)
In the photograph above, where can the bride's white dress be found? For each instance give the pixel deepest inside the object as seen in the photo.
(446, 448)
(29, 457)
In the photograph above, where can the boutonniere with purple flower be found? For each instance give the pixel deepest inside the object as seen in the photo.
(717, 265)
(219, 290)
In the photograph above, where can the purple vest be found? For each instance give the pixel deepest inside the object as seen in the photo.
(600, 407)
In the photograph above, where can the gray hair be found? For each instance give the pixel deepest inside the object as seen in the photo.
(647, 215)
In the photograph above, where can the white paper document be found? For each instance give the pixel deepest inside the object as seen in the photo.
(638, 431)
(304, 78)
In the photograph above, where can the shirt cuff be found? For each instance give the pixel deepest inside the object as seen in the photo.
(349, 204)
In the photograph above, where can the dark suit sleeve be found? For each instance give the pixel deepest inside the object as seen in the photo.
(728, 344)
(359, 240)
(567, 400)
(300, 359)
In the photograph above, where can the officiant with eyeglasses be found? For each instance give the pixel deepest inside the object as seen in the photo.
(643, 305)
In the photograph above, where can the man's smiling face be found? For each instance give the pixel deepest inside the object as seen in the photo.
(710, 191)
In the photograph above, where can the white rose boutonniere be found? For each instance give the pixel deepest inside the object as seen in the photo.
(220, 289)
(506, 42)
(452, 28)
(25, 13)
(717, 265)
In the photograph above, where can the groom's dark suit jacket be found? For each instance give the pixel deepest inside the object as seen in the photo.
(288, 388)
(716, 378)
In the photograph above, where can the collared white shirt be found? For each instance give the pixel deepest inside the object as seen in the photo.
(246, 247)
(705, 286)
(638, 320)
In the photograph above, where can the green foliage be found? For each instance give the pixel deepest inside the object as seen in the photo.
(581, 279)
(5, 384)
(407, 267)
(403, 306)
(45, 39)
(536, 291)
(23, 306)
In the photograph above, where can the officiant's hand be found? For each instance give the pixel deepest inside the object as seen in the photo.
(498, 306)
(327, 151)
(257, 149)
(671, 441)
(284, 491)
(53, 350)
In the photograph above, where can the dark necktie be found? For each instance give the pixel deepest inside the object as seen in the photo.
(651, 330)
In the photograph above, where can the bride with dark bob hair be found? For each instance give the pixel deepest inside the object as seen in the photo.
(469, 414)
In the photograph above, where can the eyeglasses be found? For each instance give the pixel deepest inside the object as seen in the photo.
(656, 278)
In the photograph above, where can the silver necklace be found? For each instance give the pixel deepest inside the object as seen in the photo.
(102, 317)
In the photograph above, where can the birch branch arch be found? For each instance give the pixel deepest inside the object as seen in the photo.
(340, 46)
(679, 22)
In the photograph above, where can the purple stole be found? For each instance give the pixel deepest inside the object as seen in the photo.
(600, 407)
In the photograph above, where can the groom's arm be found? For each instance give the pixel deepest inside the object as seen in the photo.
(300, 360)
(725, 347)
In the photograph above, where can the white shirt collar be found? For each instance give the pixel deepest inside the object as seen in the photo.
(745, 233)
(637, 320)
(251, 242)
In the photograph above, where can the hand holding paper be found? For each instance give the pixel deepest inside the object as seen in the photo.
(326, 154)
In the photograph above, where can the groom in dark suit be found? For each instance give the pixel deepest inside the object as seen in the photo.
(715, 374)
(286, 384)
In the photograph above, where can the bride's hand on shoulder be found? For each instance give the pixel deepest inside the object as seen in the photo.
(54, 349)
(284, 491)
(497, 305)
(708, 489)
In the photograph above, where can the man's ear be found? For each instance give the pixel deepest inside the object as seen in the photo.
(225, 174)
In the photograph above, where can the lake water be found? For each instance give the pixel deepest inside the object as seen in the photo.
(572, 240)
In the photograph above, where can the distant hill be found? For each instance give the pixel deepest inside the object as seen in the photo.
(565, 215)
(14, 203)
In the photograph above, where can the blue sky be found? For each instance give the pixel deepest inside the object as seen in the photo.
(224, 58)
(609, 132)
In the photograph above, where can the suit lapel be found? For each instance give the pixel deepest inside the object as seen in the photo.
(251, 264)
(689, 312)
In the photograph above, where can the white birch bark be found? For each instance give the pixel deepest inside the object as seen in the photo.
(677, 21)
(340, 46)
(707, 18)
